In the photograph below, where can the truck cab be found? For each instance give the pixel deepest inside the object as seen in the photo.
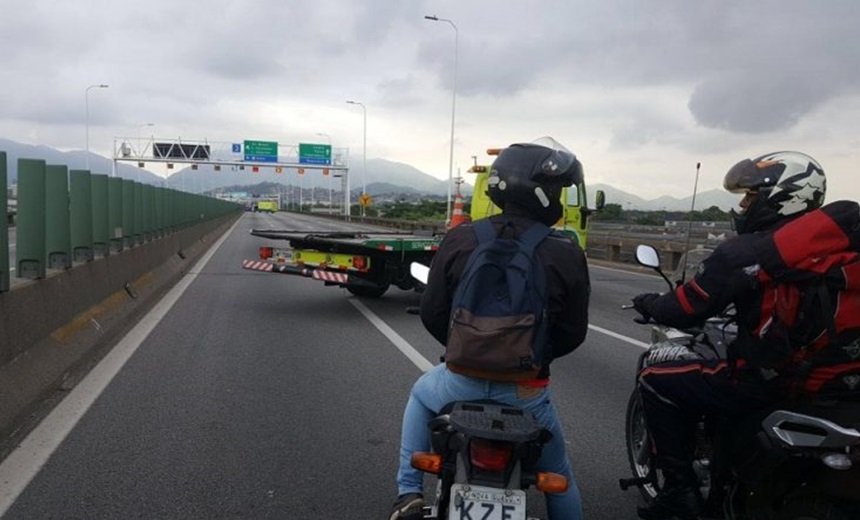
(574, 221)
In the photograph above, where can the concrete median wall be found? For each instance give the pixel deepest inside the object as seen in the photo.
(52, 331)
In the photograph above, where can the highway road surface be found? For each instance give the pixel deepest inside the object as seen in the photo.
(256, 395)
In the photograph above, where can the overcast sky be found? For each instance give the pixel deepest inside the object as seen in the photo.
(640, 90)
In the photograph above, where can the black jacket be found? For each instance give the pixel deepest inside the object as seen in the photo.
(567, 279)
(728, 276)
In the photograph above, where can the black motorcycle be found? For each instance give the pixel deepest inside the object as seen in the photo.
(797, 461)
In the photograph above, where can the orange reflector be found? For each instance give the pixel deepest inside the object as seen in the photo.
(427, 462)
(551, 483)
(359, 262)
(494, 151)
(267, 252)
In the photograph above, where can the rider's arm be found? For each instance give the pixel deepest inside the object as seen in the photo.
(447, 263)
(714, 287)
(569, 289)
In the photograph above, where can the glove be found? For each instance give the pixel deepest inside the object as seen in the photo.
(643, 302)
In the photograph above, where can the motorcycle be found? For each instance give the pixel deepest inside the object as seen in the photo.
(799, 460)
(484, 455)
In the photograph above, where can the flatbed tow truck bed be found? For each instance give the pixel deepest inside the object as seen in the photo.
(365, 263)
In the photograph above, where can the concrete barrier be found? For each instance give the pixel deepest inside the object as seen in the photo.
(52, 331)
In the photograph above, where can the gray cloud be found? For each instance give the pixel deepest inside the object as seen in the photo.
(757, 103)
(751, 67)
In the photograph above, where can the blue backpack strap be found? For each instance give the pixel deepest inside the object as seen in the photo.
(484, 230)
(533, 236)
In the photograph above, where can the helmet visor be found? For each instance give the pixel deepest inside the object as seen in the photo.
(560, 166)
(742, 177)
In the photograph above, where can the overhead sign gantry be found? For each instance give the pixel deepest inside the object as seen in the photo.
(257, 154)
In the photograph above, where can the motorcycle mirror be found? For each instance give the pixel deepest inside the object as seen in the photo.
(647, 256)
(419, 271)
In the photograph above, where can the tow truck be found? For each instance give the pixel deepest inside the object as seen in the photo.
(368, 263)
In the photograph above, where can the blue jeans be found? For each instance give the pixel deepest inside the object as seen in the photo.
(439, 386)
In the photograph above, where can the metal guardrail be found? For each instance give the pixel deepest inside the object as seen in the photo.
(73, 216)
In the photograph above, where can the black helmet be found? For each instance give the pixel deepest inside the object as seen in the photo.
(787, 184)
(532, 175)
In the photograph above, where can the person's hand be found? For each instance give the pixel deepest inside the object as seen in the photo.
(642, 304)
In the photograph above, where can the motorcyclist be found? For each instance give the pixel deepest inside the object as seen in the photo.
(526, 182)
(778, 187)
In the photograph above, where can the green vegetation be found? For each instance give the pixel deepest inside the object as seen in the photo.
(423, 210)
(615, 213)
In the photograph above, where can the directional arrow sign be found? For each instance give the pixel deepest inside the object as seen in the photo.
(315, 154)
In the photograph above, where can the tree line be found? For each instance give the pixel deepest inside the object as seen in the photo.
(616, 213)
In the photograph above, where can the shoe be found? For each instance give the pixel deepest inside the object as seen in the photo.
(680, 502)
(408, 507)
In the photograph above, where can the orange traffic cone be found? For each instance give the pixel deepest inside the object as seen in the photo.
(457, 215)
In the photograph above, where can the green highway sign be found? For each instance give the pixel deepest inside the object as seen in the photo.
(315, 154)
(261, 151)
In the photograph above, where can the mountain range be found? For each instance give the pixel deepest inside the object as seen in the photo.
(383, 177)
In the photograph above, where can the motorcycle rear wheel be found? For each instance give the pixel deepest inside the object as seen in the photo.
(639, 454)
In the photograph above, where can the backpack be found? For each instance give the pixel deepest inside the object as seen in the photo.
(809, 329)
(498, 326)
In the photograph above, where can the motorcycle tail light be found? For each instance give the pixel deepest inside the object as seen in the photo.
(427, 462)
(551, 482)
(267, 252)
(490, 455)
(838, 461)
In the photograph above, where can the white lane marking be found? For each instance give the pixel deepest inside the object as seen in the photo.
(616, 335)
(22, 465)
(408, 350)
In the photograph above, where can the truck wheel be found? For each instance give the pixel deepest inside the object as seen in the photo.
(368, 292)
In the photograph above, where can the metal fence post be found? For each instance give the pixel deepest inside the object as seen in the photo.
(80, 195)
(128, 230)
(138, 218)
(115, 214)
(4, 227)
(160, 221)
(100, 205)
(58, 226)
(30, 234)
(149, 213)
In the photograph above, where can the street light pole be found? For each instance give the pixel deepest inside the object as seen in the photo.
(453, 110)
(87, 117)
(330, 175)
(364, 154)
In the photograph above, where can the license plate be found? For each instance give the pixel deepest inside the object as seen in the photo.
(486, 503)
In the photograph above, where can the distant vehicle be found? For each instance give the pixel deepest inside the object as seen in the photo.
(266, 205)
